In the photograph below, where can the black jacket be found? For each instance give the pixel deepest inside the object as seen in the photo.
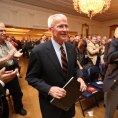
(44, 71)
(111, 75)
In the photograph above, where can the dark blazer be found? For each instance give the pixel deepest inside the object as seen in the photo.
(111, 75)
(44, 71)
(107, 46)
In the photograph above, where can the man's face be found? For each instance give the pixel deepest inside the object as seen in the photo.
(99, 38)
(77, 38)
(94, 40)
(71, 39)
(2, 33)
(44, 37)
(60, 30)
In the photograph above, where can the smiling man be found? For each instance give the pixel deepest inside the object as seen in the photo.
(51, 65)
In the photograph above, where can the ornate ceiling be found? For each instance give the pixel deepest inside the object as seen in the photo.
(66, 6)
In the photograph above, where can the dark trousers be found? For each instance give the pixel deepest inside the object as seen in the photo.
(16, 93)
(111, 103)
(5, 109)
(14, 89)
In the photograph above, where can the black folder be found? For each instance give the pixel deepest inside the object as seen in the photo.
(72, 88)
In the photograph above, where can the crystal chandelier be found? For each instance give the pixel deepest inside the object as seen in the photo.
(91, 7)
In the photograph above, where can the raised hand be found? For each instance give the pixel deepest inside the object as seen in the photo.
(6, 76)
(18, 53)
(11, 54)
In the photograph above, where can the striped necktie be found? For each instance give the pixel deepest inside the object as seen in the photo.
(64, 60)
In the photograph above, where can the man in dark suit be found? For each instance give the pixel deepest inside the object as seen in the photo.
(111, 78)
(5, 76)
(45, 71)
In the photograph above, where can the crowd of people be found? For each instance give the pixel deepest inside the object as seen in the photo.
(86, 58)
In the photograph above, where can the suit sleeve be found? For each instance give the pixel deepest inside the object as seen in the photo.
(2, 91)
(33, 75)
(113, 51)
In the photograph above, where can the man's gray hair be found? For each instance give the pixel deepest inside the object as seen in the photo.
(2, 25)
(52, 18)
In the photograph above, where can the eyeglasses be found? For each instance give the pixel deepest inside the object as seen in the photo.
(61, 26)
(2, 31)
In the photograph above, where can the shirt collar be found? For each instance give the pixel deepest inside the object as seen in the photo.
(56, 45)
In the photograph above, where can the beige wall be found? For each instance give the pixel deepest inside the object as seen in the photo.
(21, 15)
(107, 25)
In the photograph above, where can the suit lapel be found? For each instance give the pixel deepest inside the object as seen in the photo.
(53, 57)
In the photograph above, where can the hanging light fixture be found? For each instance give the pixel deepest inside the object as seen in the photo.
(91, 7)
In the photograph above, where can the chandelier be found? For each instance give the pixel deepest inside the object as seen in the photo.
(91, 7)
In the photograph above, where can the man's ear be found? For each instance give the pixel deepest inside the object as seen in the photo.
(50, 29)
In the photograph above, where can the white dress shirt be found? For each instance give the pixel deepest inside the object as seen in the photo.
(2, 83)
(58, 51)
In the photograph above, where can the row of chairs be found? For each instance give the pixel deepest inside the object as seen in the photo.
(92, 96)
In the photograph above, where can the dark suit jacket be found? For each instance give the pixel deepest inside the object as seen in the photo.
(44, 71)
(111, 75)
(107, 46)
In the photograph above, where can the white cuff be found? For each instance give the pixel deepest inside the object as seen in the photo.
(2, 83)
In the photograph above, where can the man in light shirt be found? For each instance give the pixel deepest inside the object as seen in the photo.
(8, 55)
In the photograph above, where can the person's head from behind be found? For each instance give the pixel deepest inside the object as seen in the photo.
(2, 32)
(116, 33)
(82, 45)
(58, 26)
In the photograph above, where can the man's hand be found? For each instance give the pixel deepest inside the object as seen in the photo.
(82, 84)
(11, 54)
(101, 47)
(18, 53)
(6, 76)
(57, 92)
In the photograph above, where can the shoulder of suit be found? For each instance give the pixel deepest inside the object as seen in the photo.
(115, 41)
(42, 46)
(69, 44)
